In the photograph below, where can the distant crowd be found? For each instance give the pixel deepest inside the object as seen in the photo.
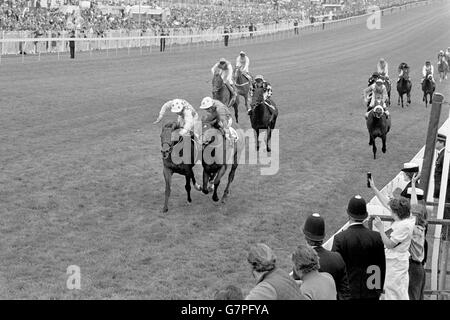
(20, 16)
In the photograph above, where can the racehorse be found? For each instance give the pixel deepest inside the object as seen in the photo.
(404, 87)
(261, 118)
(170, 167)
(443, 68)
(221, 92)
(428, 88)
(243, 87)
(214, 148)
(378, 127)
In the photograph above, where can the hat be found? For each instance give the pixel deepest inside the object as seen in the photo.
(261, 257)
(222, 60)
(441, 137)
(314, 227)
(419, 193)
(177, 105)
(379, 80)
(242, 52)
(259, 77)
(207, 102)
(357, 208)
(410, 167)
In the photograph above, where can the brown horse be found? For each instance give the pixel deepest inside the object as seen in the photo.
(404, 87)
(378, 127)
(221, 92)
(261, 117)
(443, 68)
(243, 87)
(217, 155)
(182, 164)
(428, 88)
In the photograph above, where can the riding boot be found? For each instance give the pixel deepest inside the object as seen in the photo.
(233, 93)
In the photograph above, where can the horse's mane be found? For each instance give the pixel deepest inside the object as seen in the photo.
(170, 124)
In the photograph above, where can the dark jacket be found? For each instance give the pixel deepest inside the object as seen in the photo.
(361, 248)
(285, 287)
(332, 263)
(438, 175)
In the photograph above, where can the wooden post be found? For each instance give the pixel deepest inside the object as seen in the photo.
(430, 143)
(443, 263)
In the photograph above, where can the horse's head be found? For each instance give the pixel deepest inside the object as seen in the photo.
(429, 76)
(217, 82)
(209, 132)
(258, 95)
(378, 110)
(167, 142)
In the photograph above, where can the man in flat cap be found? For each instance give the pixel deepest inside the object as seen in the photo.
(363, 252)
(330, 262)
(272, 282)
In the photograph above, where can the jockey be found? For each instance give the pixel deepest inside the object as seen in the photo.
(428, 69)
(379, 92)
(221, 114)
(243, 62)
(226, 72)
(260, 82)
(447, 54)
(441, 55)
(382, 68)
(187, 117)
(401, 69)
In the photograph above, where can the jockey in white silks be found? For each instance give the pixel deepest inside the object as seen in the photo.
(226, 73)
(447, 55)
(187, 120)
(428, 69)
(379, 92)
(382, 68)
(243, 62)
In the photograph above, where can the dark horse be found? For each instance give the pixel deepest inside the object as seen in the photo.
(261, 118)
(217, 156)
(242, 86)
(170, 148)
(428, 88)
(404, 87)
(221, 92)
(378, 127)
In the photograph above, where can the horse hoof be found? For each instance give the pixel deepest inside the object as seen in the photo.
(205, 191)
(216, 198)
(198, 187)
(384, 150)
(164, 210)
(268, 149)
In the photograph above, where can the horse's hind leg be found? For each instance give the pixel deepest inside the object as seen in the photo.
(230, 180)
(168, 178)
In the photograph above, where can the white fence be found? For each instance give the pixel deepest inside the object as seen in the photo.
(14, 43)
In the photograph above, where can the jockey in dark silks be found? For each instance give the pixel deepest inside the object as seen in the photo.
(220, 115)
(258, 83)
(376, 92)
(403, 68)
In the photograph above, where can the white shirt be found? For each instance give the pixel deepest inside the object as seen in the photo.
(424, 70)
(227, 74)
(383, 70)
(402, 231)
(244, 64)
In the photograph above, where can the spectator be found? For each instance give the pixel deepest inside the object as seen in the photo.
(162, 41)
(330, 262)
(315, 285)
(296, 26)
(226, 36)
(272, 282)
(229, 293)
(397, 241)
(418, 249)
(361, 249)
(440, 147)
(409, 169)
(72, 45)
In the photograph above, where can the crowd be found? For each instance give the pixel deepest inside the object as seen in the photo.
(363, 264)
(20, 16)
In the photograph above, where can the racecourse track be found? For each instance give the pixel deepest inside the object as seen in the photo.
(81, 173)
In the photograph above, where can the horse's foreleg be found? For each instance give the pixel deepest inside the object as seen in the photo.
(230, 180)
(219, 176)
(383, 138)
(398, 103)
(374, 148)
(168, 178)
(205, 182)
(257, 139)
(408, 97)
(268, 138)
(370, 140)
(194, 182)
(236, 110)
(187, 186)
